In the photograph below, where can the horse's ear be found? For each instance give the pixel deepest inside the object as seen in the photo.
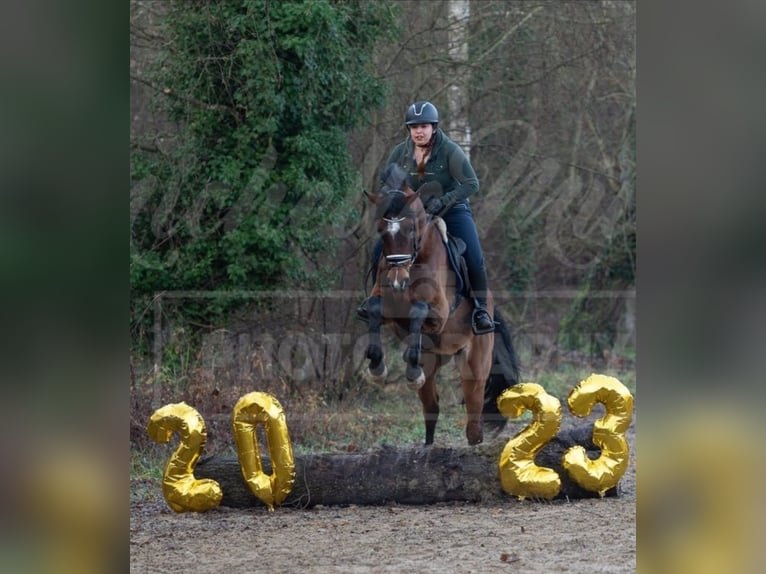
(373, 197)
(409, 194)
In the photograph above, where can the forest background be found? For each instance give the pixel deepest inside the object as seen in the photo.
(255, 127)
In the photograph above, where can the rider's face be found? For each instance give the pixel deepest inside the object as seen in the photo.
(421, 133)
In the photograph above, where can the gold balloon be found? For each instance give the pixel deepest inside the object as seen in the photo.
(255, 409)
(181, 490)
(698, 507)
(519, 474)
(608, 433)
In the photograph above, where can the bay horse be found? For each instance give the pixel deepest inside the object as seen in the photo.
(415, 295)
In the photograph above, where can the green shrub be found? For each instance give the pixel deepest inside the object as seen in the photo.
(245, 194)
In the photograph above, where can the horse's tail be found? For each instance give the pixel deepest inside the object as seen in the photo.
(504, 374)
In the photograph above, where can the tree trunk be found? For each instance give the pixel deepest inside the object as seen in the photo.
(457, 95)
(390, 475)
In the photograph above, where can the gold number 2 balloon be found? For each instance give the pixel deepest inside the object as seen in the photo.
(608, 433)
(519, 475)
(182, 491)
(255, 409)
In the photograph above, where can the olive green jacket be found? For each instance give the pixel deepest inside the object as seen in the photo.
(447, 165)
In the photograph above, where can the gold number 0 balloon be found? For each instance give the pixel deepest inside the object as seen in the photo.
(519, 475)
(182, 491)
(251, 410)
(608, 433)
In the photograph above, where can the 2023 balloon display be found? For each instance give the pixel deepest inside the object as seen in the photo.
(519, 475)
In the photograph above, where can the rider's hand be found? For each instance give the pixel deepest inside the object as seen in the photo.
(434, 205)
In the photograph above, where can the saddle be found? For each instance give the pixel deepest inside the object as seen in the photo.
(455, 249)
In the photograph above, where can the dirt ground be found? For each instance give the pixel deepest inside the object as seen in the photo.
(590, 535)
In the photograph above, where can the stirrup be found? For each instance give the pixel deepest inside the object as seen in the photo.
(475, 327)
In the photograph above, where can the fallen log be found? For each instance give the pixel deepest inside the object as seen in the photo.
(425, 475)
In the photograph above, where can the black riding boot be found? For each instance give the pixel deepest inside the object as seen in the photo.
(362, 312)
(482, 322)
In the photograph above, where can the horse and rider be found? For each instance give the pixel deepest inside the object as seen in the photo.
(441, 307)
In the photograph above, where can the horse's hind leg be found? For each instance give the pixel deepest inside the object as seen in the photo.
(376, 370)
(430, 399)
(474, 370)
(473, 392)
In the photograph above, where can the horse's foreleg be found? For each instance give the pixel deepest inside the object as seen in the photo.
(414, 373)
(376, 370)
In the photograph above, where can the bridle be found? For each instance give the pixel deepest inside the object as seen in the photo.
(405, 260)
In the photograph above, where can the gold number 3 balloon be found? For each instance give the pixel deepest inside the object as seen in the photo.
(608, 433)
(255, 409)
(182, 491)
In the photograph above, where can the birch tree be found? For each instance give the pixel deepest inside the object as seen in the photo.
(459, 128)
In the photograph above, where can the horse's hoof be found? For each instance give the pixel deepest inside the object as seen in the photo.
(419, 381)
(475, 438)
(376, 378)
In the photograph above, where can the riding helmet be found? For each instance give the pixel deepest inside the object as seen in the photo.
(422, 112)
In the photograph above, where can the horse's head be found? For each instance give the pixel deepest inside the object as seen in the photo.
(400, 220)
